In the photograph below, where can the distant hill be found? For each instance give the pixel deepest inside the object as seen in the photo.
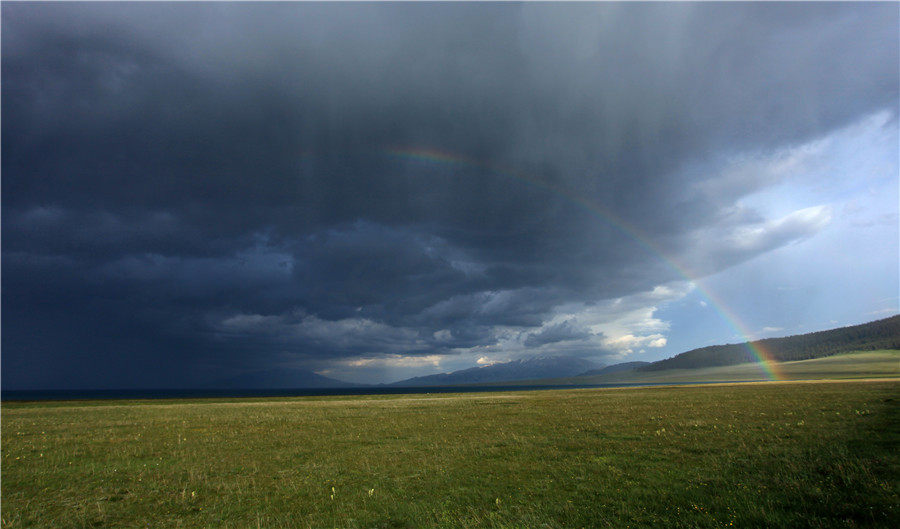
(869, 364)
(615, 368)
(881, 334)
(279, 379)
(524, 369)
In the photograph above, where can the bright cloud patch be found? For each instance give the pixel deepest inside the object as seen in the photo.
(734, 244)
(396, 360)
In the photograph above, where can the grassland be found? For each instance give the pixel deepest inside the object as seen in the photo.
(753, 455)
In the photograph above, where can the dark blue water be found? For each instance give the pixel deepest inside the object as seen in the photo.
(93, 394)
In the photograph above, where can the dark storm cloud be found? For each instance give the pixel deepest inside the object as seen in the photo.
(192, 187)
(558, 332)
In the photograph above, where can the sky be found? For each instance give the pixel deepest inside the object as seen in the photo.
(191, 191)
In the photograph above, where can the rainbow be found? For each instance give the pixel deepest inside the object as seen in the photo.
(763, 357)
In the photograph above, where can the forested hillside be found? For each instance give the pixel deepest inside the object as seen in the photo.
(881, 334)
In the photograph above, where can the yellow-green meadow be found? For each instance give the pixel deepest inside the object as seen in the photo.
(743, 455)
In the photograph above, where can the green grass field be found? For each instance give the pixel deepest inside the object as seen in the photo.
(776, 455)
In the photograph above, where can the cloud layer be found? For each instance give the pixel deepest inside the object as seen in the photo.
(198, 189)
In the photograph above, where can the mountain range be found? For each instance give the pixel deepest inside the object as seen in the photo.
(615, 368)
(880, 334)
(523, 369)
